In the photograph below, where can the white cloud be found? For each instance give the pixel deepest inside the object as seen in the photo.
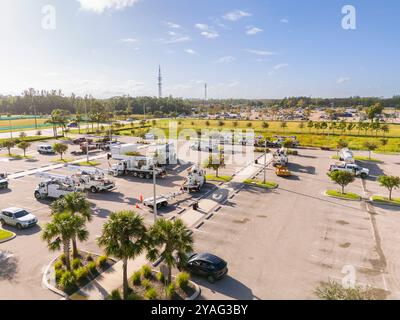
(172, 25)
(129, 40)
(190, 51)
(226, 59)
(202, 26)
(207, 31)
(251, 31)
(210, 34)
(343, 80)
(277, 68)
(236, 15)
(176, 39)
(281, 66)
(261, 52)
(284, 20)
(99, 6)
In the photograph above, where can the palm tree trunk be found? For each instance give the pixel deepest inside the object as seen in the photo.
(342, 189)
(74, 248)
(66, 253)
(125, 278)
(169, 274)
(390, 194)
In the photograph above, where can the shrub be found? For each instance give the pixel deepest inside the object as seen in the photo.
(89, 257)
(151, 294)
(146, 272)
(76, 263)
(182, 280)
(68, 282)
(160, 277)
(293, 152)
(146, 284)
(170, 291)
(115, 295)
(58, 265)
(59, 273)
(136, 278)
(133, 296)
(81, 274)
(101, 261)
(91, 267)
(38, 133)
(62, 258)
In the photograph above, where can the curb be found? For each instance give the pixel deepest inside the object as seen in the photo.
(9, 239)
(383, 203)
(196, 294)
(254, 184)
(46, 283)
(327, 195)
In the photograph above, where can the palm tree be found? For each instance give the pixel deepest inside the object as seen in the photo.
(124, 237)
(61, 230)
(73, 203)
(167, 237)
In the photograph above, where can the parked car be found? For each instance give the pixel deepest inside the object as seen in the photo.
(17, 217)
(207, 265)
(81, 140)
(72, 125)
(45, 149)
(352, 168)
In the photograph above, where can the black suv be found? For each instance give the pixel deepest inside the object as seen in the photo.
(207, 265)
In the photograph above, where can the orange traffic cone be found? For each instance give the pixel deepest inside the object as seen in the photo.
(141, 199)
(137, 206)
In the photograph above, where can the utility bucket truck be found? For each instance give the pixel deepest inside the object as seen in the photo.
(91, 179)
(55, 186)
(195, 180)
(138, 166)
(280, 158)
(3, 181)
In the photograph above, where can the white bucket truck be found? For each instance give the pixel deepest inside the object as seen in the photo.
(91, 179)
(55, 186)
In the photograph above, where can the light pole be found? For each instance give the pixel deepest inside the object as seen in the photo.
(154, 192)
(86, 137)
(265, 161)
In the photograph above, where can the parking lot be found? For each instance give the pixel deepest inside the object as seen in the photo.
(278, 244)
(283, 244)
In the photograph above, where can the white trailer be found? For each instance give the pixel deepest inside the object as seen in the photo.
(92, 179)
(280, 158)
(138, 166)
(124, 149)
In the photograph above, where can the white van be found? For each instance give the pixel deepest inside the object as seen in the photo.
(45, 149)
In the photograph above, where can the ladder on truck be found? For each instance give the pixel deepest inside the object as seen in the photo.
(56, 177)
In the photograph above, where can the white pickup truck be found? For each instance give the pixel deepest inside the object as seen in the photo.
(353, 168)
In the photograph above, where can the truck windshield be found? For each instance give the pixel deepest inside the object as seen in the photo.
(20, 214)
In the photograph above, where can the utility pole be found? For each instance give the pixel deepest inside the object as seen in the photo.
(144, 112)
(159, 83)
(154, 192)
(265, 161)
(86, 137)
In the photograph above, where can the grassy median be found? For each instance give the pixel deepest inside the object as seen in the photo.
(5, 235)
(346, 195)
(384, 200)
(261, 184)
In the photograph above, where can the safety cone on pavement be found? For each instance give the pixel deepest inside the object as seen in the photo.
(141, 198)
(137, 206)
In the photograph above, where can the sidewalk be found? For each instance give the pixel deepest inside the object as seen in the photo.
(111, 279)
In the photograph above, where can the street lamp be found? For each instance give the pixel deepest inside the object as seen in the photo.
(154, 191)
(265, 161)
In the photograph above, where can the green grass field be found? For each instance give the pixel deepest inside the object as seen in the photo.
(306, 137)
(4, 235)
(22, 124)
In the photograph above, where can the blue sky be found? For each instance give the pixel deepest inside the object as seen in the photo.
(241, 48)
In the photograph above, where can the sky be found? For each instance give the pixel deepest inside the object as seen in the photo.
(240, 48)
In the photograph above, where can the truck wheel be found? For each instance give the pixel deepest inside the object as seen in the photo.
(37, 195)
(93, 190)
(363, 175)
(141, 176)
(148, 176)
(135, 174)
(2, 222)
(19, 227)
(165, 204)
(211, 279)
